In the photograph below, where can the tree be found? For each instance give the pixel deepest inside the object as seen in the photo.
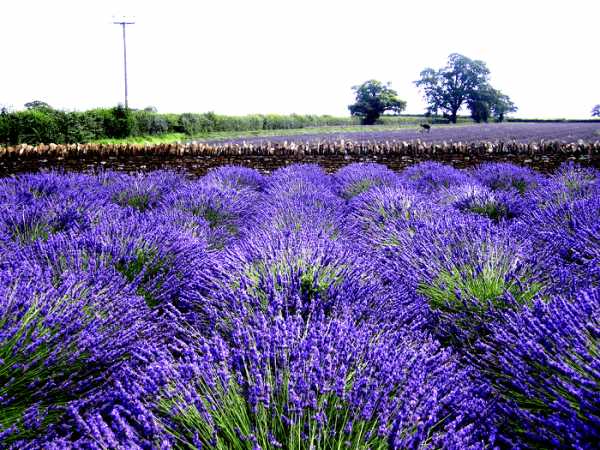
(450, 87)
(502, 105)
(485, 101)
(120, 122)
(4, 125)
(596, 111)
(480, 103)
(373, 98)
(37, 104)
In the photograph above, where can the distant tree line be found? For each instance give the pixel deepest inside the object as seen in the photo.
(462, 82)
(39, 122)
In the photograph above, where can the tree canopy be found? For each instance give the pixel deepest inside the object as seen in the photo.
(596, 111)
(463, 81)
(37, 104)
(486, 102)
(373, 98)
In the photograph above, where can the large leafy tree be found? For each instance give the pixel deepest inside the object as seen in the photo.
(462, 81)
(485, 102)
(502, 105)
(596, 111)
(373, 98)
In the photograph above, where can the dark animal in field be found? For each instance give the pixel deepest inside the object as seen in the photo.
(425, 127)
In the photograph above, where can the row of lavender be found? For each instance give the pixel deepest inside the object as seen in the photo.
(368, 309)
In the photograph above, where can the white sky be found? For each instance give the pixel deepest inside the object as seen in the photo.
(284, 56)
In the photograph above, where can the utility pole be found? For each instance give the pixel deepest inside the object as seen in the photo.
(124, 23)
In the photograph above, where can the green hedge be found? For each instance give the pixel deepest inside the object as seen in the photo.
(46, 125)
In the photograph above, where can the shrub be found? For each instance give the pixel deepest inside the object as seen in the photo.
(544, 362)
(147, 122)
(58, 345)
(464, 267)
(120, 123)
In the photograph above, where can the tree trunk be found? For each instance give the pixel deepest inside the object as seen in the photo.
(370, 119)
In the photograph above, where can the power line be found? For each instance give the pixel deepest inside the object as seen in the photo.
(124, 23)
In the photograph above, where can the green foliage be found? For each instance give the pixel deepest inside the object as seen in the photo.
(373, 98)
(226, 414)
(480, 104)
(215, 217)
(4, 125)
(493, 210)
(149, 123)
(120, 122)
(37, 104)
(501, 105)
(19, 370)
(359, 187)
(37, 125)
(466, 294)
(31, 232)
(147, 268)
(463, 81)
(485, 101)
(12, 365)
(41, 124)
(190, 124)
(140, 202)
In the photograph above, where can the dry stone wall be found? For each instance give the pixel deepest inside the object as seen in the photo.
(197, 158)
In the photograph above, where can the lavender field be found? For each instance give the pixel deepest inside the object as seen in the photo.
(505, 132)
(364, 309)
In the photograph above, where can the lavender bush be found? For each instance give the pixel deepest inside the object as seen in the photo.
(432, 308)
(545, 363)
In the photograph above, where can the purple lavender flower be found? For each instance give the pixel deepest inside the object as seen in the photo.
(302, 211)
(569, 183)
(566, 237)
(298, 177)
(478, 199)
(58, 344)
(377, 215)
(543, 360)
(226, 210)
(235, 177)
(430, 176)
(332, 382)
(141, 192)
(507, 177)
(157, 259)
(463, 266)
(436, 308)
(283, 272)
(357, 178)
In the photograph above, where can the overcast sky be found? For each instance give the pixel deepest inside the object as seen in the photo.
(284, 56)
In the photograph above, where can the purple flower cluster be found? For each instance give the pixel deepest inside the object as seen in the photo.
(433, 308)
